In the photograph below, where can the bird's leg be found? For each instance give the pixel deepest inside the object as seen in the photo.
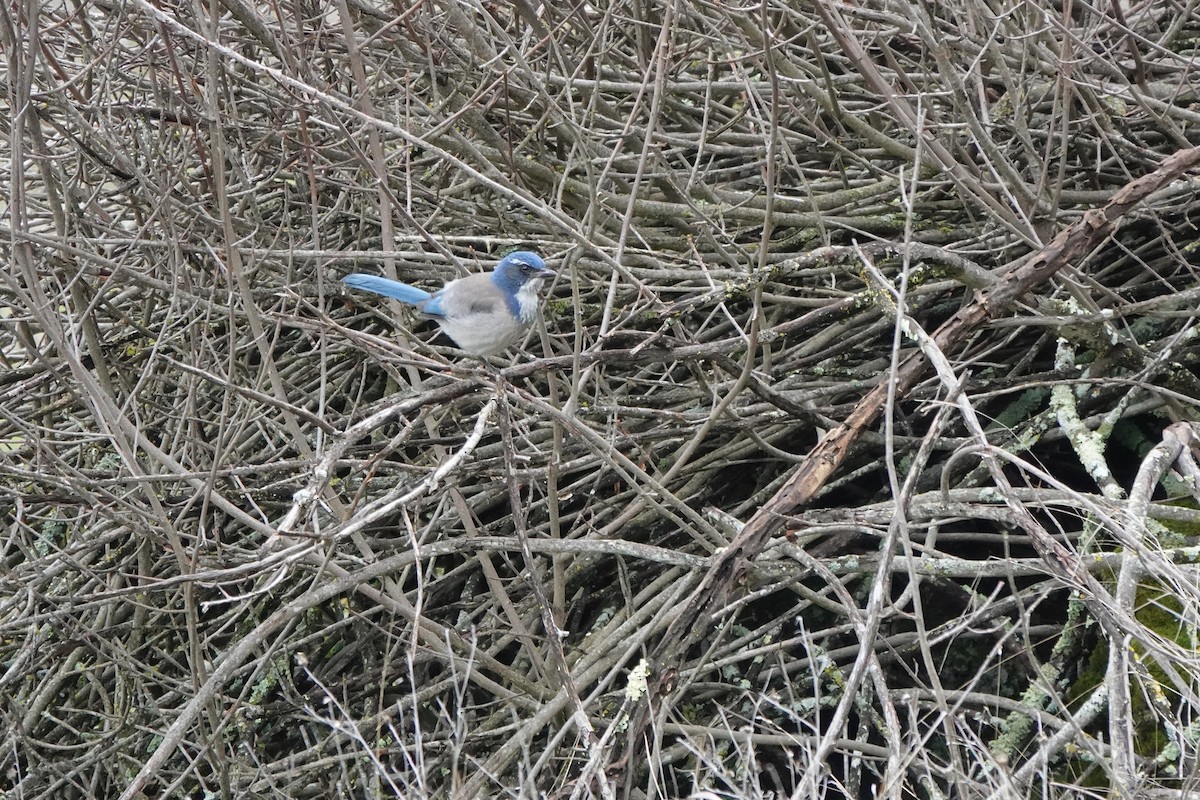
(490, 373)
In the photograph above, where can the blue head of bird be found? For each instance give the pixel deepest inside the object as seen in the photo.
(520, 276)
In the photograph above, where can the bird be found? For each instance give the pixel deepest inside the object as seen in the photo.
(484, 313)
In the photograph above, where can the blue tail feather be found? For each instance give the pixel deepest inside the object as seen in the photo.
(387, 287)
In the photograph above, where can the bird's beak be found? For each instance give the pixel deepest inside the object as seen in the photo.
(548, 274)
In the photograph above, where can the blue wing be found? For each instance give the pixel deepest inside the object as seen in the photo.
(387, 287)
(435, 306)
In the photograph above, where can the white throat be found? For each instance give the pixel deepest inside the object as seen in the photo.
(528, 298)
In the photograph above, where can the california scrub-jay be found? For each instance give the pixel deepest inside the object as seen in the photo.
(482, 313)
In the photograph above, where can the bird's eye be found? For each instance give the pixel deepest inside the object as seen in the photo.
(526, 268)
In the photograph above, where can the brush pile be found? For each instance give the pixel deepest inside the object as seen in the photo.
(854, 455)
